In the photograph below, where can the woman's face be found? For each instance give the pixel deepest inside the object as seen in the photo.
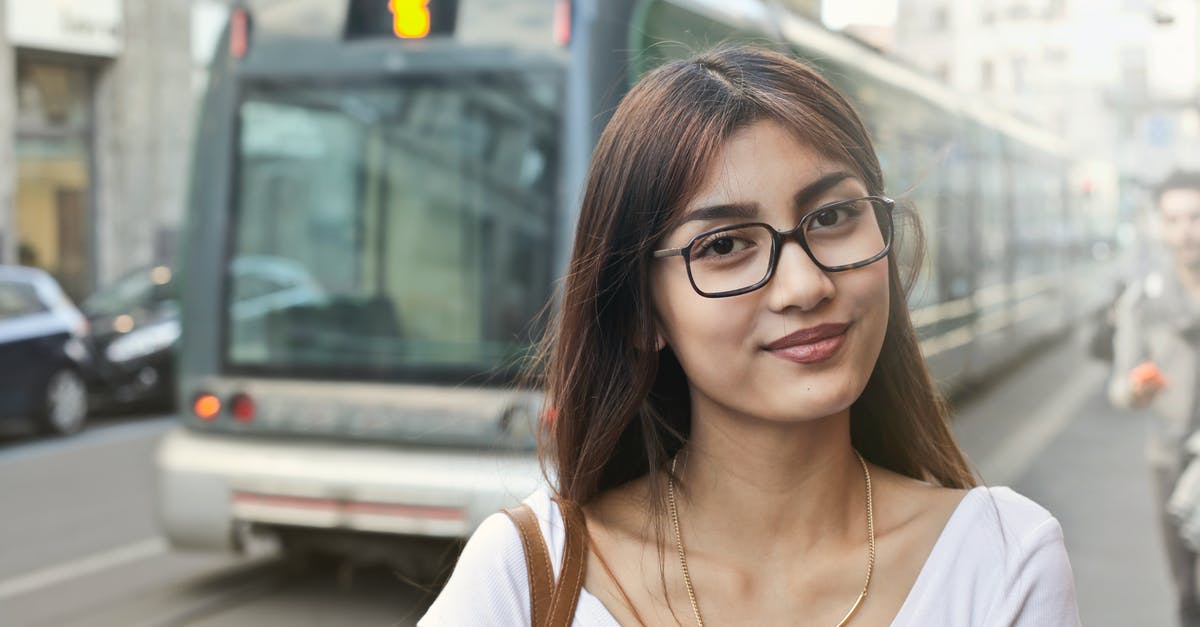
(748, 355)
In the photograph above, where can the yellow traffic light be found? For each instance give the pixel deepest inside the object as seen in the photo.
(410, 18)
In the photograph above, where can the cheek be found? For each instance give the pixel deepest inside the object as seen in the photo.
(868, 290)
(1176, 238)
(698, 329)
(870, 298)
(696, 326)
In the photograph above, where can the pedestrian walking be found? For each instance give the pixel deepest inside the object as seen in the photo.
(743, 429)
(1155, 366)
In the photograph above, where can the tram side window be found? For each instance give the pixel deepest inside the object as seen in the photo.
(1032, 218)
(994, 257)
(420, 215)
(956, 240)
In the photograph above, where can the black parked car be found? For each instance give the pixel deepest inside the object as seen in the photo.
(135, 323)
(135, 327)
(45, 357)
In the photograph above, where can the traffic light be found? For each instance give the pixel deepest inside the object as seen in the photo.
(404, 19)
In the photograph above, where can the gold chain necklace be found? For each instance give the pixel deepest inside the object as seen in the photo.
(687, 578)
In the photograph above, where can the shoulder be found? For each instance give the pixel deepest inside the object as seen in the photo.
(1017, 516)
(999, 561)
(1153, 293)
(1003, 525)
(489, 584)
(1013, 550)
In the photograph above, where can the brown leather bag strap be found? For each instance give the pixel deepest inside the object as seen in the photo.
(537, 563)
(550, 604)
(574, 566)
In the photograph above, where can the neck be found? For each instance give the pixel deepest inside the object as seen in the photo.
(1189, 277)
(796, 482)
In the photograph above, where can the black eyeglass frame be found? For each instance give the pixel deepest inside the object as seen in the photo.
(778, 239)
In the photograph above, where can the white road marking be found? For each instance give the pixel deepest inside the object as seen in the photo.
(1007, 462)
(95, 563)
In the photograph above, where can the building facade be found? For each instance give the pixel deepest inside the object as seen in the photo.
(1117, 79)
(95, 122)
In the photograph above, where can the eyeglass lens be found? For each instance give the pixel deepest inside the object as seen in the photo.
(738, 257)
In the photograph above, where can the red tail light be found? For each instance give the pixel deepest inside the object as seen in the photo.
(239, 33)
(562, 22)
(242, 408)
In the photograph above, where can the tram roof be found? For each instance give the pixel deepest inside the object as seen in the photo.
(773, 20)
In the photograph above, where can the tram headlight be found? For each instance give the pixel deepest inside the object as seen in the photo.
(142, 342)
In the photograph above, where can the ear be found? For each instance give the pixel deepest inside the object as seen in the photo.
(660, 338)
(657, 341)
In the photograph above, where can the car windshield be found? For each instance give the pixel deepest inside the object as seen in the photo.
(18, 298)
(142, 288)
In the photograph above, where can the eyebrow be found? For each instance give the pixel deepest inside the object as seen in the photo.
(747, 210)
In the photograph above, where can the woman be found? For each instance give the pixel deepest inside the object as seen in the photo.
(741, 409)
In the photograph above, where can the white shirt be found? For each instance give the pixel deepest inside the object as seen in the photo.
(1000, 561)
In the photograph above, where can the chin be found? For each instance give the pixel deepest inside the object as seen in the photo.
(820, 403)
(824, 392)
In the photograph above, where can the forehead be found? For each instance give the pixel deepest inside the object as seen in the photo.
(759, 159)
(1180, 202)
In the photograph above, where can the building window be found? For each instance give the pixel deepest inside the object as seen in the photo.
(1019, 10)
(53, 173)
(941, 18)
(1132, 61)
(986, 78)
(987, 12)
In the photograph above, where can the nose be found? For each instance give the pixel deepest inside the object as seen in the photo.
(798, 281)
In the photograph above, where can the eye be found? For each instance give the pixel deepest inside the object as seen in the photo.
(720, 245)
(835, 216)
(829, 217)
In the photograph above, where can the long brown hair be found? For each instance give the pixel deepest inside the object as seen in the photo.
(620, 407)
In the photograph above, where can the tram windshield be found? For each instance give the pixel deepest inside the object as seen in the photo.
(400, 228)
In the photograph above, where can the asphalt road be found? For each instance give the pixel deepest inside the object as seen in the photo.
(79, 546)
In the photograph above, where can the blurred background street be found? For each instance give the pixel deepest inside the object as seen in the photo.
(269, 268)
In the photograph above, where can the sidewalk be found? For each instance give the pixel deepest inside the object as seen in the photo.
(1048, 431)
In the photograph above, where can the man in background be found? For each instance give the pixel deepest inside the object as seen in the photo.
(1155, 363)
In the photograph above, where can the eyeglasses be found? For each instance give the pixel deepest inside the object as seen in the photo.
(737, 259)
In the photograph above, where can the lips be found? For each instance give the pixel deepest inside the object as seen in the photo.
(812, 345)
(809, 335)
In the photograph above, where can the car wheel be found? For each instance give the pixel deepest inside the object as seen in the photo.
(66, 403)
